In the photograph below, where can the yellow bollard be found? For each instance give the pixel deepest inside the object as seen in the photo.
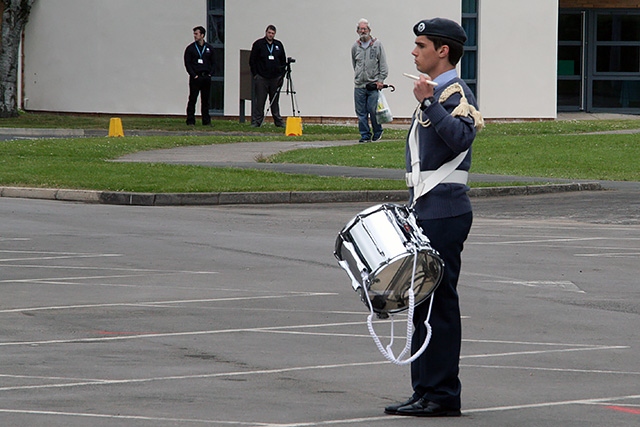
(115, 127)
(294, 126)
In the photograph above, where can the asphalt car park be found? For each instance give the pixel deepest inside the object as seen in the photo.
(240, 315)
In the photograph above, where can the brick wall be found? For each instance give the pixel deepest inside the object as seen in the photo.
(600, 4)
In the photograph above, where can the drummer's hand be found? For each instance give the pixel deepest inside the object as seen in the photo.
(422, 89)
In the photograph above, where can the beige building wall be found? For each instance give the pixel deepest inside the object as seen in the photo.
(518, 58)
(121, 56)
(115, 56)
(319, 35)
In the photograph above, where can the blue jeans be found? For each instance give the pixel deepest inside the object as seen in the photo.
(366, 102)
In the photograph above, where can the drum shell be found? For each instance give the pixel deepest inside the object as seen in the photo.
(377, 249)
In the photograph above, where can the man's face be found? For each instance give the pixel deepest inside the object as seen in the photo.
(425, 55)
(198, 36)
(270, 35)
(363, 31)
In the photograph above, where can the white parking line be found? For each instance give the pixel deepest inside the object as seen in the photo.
(538, 368)
(554, 240)
(611, 255)
(550, 404)
(163, 303)
(360, 420)
(94, 382)
(130, 417)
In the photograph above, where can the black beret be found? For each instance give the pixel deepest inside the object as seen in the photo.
(441, 27)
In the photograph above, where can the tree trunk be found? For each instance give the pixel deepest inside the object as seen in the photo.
(14, 18)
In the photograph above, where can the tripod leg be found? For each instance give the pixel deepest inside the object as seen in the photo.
(292, 93)
(274, 95)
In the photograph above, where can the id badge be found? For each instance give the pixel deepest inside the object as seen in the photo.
(200, 61)
(271, 58)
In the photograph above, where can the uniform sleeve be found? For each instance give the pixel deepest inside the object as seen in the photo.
(458, 132)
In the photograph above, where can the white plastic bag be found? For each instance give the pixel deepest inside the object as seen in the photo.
(383, 112)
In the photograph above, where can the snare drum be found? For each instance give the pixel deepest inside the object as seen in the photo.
(377, 249)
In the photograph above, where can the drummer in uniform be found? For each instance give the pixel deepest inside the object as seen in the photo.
(444, 125)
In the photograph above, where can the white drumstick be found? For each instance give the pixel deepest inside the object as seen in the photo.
(411, 76)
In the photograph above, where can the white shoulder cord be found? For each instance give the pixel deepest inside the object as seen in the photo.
(423, 186)
(388, 352)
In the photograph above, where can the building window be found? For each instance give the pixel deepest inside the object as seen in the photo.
(469, 62)
(616, 58)
(215, 37)
(598, 60)
(571, 59)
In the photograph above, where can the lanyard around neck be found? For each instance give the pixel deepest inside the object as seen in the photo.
(198, 49)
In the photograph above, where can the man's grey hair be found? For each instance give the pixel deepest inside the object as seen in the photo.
(363, 21)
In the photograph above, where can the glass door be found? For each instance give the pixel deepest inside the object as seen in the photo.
(571, 61)
(599, 60)
(614, 81)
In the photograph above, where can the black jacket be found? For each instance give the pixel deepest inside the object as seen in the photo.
(191, 56)
(261, 64)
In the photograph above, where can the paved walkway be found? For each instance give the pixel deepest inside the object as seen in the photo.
(246, 155)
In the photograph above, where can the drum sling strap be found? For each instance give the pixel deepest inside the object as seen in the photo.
(423, 182)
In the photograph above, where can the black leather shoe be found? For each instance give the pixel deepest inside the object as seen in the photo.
(392, 409)
(426, 408)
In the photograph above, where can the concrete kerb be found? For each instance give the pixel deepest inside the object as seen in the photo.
(85, 196)
(45, 132)
(276, 197)
(527, 190)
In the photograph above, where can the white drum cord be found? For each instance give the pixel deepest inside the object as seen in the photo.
(388, 351)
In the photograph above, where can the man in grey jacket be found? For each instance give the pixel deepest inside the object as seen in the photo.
(370, 68)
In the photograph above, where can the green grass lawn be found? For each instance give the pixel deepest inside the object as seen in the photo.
(544, 149)
(575, 156)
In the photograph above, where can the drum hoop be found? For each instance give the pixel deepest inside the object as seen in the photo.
(403, 220)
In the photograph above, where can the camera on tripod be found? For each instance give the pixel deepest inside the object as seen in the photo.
(290, 60)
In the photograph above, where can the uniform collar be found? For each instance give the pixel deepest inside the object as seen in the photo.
(446, 77)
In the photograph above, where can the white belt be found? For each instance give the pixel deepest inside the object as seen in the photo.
(455, 177)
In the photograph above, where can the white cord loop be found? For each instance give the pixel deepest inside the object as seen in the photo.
(388, 351)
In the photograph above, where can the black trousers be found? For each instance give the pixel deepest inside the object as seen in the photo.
(261, 88)
(200, 86)
(434, 375)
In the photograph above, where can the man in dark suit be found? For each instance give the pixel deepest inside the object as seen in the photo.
(198, 61)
